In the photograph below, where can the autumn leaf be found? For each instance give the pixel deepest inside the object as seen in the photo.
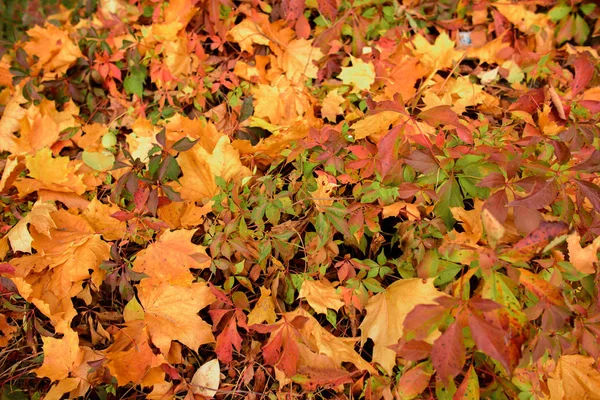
(574, 377)
(321, 295)
(386, 311)
(361, 75)
(171, 257)
(207, 378)
(264, 310)
(583, 259)
(171, 314)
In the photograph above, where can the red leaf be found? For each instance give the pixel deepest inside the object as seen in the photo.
(6, 268)
(448, 354)
(302, 27)
(444, 115)
(413, 382)
(421, 162)
(422, 319)
(530, 245)
(494, 179)
(407, 190)
(328, 8)
(282, 351)
(584, 72)
(387, 156)
(540, 198)
(293, 9)
(227, 340)
(541, 288)
(490, 339)
(529, 102)
(592, 164)
(413, 350)
(123, 215)
(496, 204)
(591, 191)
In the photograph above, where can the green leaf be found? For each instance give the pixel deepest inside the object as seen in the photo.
(98, 161)
(450, 196)
(559, 12)
(134, 81)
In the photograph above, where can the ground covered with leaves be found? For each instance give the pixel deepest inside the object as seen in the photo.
(301, 199)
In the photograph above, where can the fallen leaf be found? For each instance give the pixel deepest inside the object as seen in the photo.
(321, 295)
(386, 311)
(206, 379)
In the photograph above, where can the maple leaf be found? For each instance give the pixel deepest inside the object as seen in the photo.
(298, 60)
(61, 356)
(171, 313)
(131, 359)
(321, 295)
(38, 126)
(264, 310)
(53, 174)
(321, 196)
(248, 33)
(39, 217)
(361, 75)
(375, 124)
(583, 259)
(440, 55)
(386, 312)
(171, 257)
(574, 378)
(54, 48)
(332, 105)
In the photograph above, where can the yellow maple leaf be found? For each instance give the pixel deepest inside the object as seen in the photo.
(61, 356)
(171, 313)
(170, 258)
(332, 105)
(99, 214)
(298, 60)
(39, 217)
(361, 75)
(131, 358)
(54, 48)
(264, 310)
(574, 378)
(386, 311)
(583, 259)
(321, 295)
(375, 124)
(54, 174)
(183, 214)
(437, 56)
(248, 33)
(321, 196)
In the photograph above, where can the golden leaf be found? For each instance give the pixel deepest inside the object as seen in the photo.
(61, 356)
(321, 295)
(583, 259)
(172, 314)
(170, 258)
(54, 48)
(264, 310)
(437, 56)
(574, 378)
(361, 75)
(386, 311)
(247, 33)
(298, 60)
